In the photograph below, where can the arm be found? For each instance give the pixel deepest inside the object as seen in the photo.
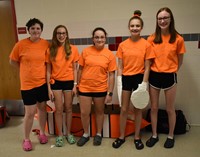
(51, 96)
(120, 67)
(147, 65)
(180, 60)
(111, 83)
(79, 74)
(144, 84)
(75, 65)
(14, 63)
(119, 80)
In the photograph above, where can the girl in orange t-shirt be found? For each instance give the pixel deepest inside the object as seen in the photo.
(134, 58)
(96, 77)
(169, 49)
(28, 55)
(62, 61)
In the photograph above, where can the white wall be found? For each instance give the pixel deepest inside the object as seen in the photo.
(82, 16)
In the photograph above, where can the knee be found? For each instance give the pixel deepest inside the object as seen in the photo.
(68, 109)
(30, 115)
(99, 111)
(124, 110)
(84, 114)
(154, 110)
(170, 111)
(59, 111)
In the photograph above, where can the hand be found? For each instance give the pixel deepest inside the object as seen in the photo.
(140, 97)
(142, 86)
(119, 89)
(108, 99)
(51, 96)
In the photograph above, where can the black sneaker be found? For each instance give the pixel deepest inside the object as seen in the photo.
(118, 142)
(152, 141)
(169, 143)
(138, 144)
(83, 140)
(97, 140)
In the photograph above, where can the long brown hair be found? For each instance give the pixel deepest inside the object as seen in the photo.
(172, 30)
(55, 44)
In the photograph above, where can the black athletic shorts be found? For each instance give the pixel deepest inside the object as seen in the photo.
(62, 85)
(162, 80)
(38, 94)
(130, 83)
(93, 94)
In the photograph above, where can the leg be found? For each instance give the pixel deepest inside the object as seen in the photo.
(99, 104)
(124, 112)
(85, 107)
(28, 120)
(138, 121)
(154, 98)
(123, 118)
(131, 112)
(59, 110)
(28, 123)
(99, 112)
(42, 114)
(170, 95)
(68, 97)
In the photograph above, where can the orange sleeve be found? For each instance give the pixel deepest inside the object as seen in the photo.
(14, 55)
(75, 53)
(47, 56)
(31, 57)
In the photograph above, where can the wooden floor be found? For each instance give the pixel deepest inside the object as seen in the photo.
(187, 145)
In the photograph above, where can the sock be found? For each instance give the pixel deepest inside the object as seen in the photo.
(154, 136)
(99, 134)
(170, 137)
(85, 135)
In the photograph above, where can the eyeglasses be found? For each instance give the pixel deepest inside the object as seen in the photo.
(99, 37)
(61, 33)
(165, 18)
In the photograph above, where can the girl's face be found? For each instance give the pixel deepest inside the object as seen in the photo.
(135, 27)
(61, 35)
(163, 20)
(99, 39)
(35, 32)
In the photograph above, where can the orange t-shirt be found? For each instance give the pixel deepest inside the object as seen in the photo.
(166, 60)
(31, 57)
(62, 69)
(133, 55)
(96, 65)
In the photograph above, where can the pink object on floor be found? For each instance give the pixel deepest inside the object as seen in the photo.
(43, 139)
(27, 145)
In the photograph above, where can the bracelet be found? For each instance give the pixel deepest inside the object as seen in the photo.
(75, 83)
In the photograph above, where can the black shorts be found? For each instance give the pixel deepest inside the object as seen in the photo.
(62, 85)
(162, 80)
(38, 94)
(93, 94)
(130, 83)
